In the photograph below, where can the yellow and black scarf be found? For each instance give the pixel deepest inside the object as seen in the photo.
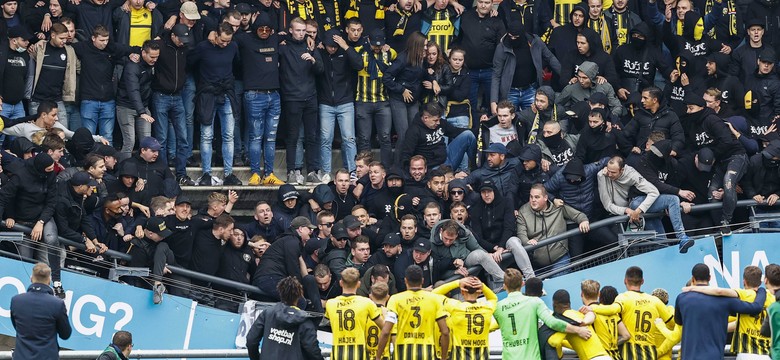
(602, 28)
(534, 131)
(400, 27)
(354, 9)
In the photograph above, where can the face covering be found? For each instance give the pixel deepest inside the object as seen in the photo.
(21, 50)
(517, 43)
(553, 141)
(638, 43)
(574, 182)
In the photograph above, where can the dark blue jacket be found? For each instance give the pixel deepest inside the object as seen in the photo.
(38, 317)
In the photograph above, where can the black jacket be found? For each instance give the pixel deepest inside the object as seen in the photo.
(762, 178)
(71, 218)
(636, 132)
(297, 75)
(158, 176)
(287, 333)
(39, 317)
(706, 129)
(732, 92)
(433, 268)
(170, 68)
(764, 102)
(493, 224)
(90, 14)
(401, 75)
(259, 61)
(97, 82)
(596, 55)
(281, 258)
(480, 37)
(135, 86)
(421, 140)
(636, 63)
(29, 196)
(662, 172)
(333, 86)
(234, 265)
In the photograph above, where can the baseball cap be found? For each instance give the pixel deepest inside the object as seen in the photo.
(339, 231)
(377, 37)
(190, 10)
(351, 222)
(19, 32)
(312, 245)
(706, 159)
(497, 148)
(394, 173)
(244, 8)
(82, 178)
(181, 199)
(183, 33)
(392, 239)
(290, 195)
(106, 150)
(157, 226)
(767, 55)
(422, 246)
(301, 221)
(150, 143)
(327, 40)
(487, 184)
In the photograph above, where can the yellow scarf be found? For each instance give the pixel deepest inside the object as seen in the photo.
(535, 126)
(354, 9)
(600, 26)
(324, 15)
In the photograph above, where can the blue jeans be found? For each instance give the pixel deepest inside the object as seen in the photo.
(238, 87)
(480, 79)
(345, 115)
(188, 98)
(13, 111)
(462, 145)
(99, 117)
(522, 98)
(670, 203)
(561, 263)
(463, 123)
(168, 112)
(262, 112)
(227, 123)
(74, 116)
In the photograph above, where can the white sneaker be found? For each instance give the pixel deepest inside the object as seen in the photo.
(325, 177)
(299, 179)
(292, 179)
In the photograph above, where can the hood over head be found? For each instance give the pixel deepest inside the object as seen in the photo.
(594, 40)
(323, 194)
(590, 69)
(531, 152)
(581, 7)
(574, 167)
(22, 145)
(693, 26)
(458, 184)
(643, 29)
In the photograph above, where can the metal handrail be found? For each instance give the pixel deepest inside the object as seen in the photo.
(109, 253)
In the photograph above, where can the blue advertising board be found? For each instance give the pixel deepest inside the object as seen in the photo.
(741, 250)
(97, 308)
(665, 268)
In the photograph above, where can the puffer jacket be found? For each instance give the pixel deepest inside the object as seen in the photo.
(579, 196)
(543, 224)
(505, 176)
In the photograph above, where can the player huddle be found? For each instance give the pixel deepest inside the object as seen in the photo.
(423, 324)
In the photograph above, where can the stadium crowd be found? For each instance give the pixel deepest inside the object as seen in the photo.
(497, 127)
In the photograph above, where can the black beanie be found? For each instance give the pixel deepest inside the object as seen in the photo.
(42, 161)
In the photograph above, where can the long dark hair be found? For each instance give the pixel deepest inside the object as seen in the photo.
(415, 49)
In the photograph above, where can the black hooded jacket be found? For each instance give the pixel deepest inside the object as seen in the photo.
(31, 193)
(282, 213)
(528, 178)
(706, 129)
(636, 132)
(287, 333)
(661, 171)
(596, 144)
(322, 195)
(732, 92)
(636, 62)
(762, 97)
(563, 39)
(694, 69)
(693, 40)
(763, 176)
(493, 224)
(596, 54)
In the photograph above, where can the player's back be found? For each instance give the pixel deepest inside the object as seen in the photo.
(350, 317)
(638, 311)
(747, 337)
(585, 349)
(606, 329)
(417, 313)
(469, 325)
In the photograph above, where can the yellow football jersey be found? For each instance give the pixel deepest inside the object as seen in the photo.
(350, 317)
(415, 313)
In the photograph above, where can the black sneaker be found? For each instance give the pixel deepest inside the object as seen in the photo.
(232, 180)
(205, 180)
(185, 181)
(58, 290)
(725, 229)
(192, 162)
(238, 161)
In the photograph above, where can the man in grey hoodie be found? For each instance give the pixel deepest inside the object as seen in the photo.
(585, 86)
(616, 183)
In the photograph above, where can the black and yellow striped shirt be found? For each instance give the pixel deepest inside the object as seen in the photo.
(638, 312)
(350, 316)
(443, 27)
(372, 90)
(747, 336)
